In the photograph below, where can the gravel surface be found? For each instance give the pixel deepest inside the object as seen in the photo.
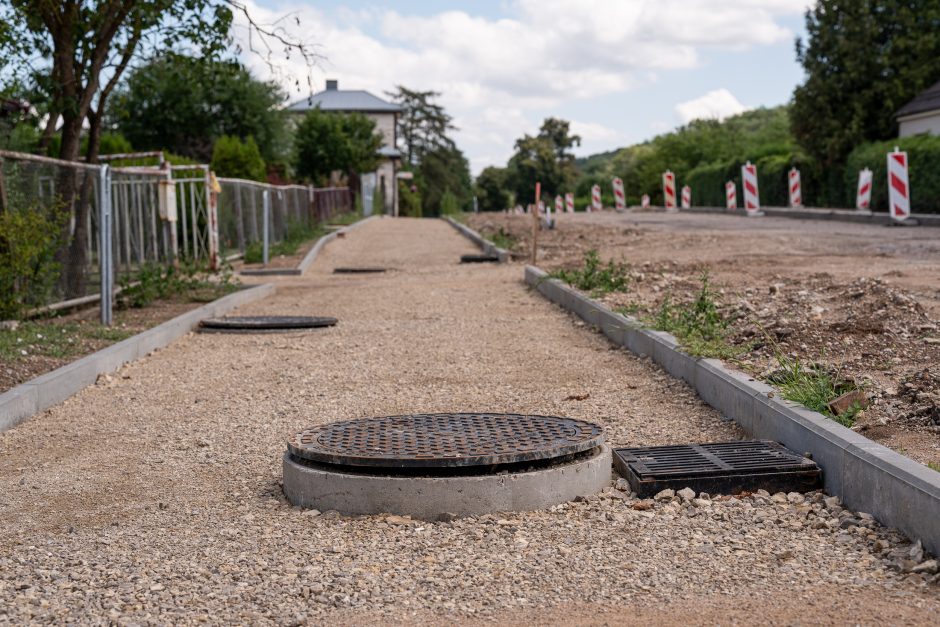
(154, 496)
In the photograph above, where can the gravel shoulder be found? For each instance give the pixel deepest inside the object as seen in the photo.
(154, 497)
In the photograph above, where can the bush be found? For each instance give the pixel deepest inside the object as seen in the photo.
(449, 204)
(596, 277)
(923, 153)
(236, 159)
(28, 270)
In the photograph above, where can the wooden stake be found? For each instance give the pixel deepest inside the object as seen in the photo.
(535, 222)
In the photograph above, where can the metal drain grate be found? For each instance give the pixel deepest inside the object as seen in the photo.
(719, 468)
(262, 324)
(357, 270)
(445, 440)
(478, 259)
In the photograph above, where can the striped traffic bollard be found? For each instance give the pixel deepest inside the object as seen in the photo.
(645, 201)
(749, 184)
(863, 195)
(731, 196)
(559, 204)
(596, 198)
(569, 203)
(686, 197)
(899, 189)
(620, 201)
(669, 191)
(796, 193)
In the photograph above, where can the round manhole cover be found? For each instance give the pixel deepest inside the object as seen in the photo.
(265, 323)
(357, 270)
(445, 440)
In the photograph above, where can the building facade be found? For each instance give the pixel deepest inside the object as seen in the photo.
(921, 115)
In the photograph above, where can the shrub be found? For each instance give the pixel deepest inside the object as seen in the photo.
(923, 153)
(596, 277)
(234, 158)
(28, 271)
(449, 204)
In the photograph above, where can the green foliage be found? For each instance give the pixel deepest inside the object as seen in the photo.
(595, 277)
(29, 239)
(863, 61)
(923, 171)
(53, 340)
(545, 158)
(184, 104)
(233, 158)
(444, 172)
(325, 142)
(503, 239)
(409, 199)
(154, 281)
(812, 386)
(297, 234)
(449, 204)
(491, 191)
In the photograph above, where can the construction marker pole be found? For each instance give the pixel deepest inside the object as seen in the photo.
(863, 196)
(595, 198)
(899, 189)
(645, 201)
(686, 197)
(569, 203)
(796, 192)
(751, 193)
(559, 204)
(620, 201)
(535, 221)
(669, 190)
(731, 197)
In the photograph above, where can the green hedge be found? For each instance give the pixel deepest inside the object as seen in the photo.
(923, 152)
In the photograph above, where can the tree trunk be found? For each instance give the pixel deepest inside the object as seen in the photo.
(71, 254)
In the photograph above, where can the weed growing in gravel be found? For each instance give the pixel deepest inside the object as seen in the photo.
(596, 277)
(155, 281)
(934, 466)
(698, 326)
(812, 386)
(48, 340)
(503, 239)
(297, 234)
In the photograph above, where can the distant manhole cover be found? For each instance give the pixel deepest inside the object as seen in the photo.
(718, 468)
(365, 270)
(445, 440)
(262, 324)
(479, 259)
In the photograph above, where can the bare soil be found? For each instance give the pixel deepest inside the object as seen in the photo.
(861, 300)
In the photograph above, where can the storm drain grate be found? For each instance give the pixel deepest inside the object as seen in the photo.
(445, 440)
(358, 270)
(717, 468)
(479, 259)
(264, 324)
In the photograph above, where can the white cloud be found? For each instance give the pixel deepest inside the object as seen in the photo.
(500, 77)
(717, 104)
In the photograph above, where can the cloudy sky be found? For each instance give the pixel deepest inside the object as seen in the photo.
(620, 70)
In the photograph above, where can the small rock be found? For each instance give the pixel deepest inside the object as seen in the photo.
(917, 552)
(643, 505)
(687, 494)
(832, 501)
(665, 495)
(402, 521)
(312, 512)
(929, 567)
(701, 502)
(847, 401)
(779, 497)
(795, 498)
(9, 325)
(447, 517)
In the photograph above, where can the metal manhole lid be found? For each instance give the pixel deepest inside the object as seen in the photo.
(268, 322)
(445, 440)
(365, 270)
(477, 258)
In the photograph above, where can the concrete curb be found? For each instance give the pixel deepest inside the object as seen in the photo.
(867, 476)
(311, 255)
(489, 248)
(838, 215)
(27, 399)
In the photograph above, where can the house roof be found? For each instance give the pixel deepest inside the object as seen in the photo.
(927, 100)
(334, 99)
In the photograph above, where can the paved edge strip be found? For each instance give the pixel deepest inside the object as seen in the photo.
(867, 476)
(32, 397)
(837, 215)
(488, 247)
(311, 255)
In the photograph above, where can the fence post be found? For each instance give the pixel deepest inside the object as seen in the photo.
(266, 230)
(105, 257)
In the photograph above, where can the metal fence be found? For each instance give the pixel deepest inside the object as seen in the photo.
(93, 226)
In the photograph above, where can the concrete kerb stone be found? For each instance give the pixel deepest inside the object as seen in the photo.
(310, 257)
(488, 247)
(32, 397)
(867, 476)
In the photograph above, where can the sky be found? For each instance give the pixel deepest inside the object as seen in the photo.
(621, 71)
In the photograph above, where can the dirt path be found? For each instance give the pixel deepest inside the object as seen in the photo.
(156, 497)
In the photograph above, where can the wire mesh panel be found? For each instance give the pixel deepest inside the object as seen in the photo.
(139, 237)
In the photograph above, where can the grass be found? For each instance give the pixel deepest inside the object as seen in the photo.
(346, 218)
(698, 326)
(813, 386)
(297, 235)
(503, 239)
(934, 466)
(53, 340)
(189, 281)
(595, 277)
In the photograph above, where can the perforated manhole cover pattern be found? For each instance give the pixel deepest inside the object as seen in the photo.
(267, 322)
(445, 440)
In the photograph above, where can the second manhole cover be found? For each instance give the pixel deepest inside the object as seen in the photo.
(247, 324)
(362, 270)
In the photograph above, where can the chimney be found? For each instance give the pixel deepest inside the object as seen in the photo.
(332, 85)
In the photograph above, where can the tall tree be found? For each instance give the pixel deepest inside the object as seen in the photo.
(491, 189)
(327, 142)
(424, 126)
(183, 104)
(863, 60)
(444, 171)
(544, 158)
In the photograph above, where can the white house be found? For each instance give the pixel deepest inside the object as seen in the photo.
(383, 113)
(921, 115)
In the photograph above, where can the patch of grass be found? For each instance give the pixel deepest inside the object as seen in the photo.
(190, 281)
(503, 239)
(629, 310)
(698, 326)
(53, 340)
(297, 235)
(595, 277)
(346, 218)
(934, 466)
(813, 386)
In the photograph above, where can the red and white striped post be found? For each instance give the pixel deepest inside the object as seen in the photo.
(863, 195)
(620, 201)
(751, 193)
(595, 198)
(731, 196)
(686, 197)
(559, 204)
(796, 192)
(569, 203)
(645, 201)
(669, 190)
(899, 188)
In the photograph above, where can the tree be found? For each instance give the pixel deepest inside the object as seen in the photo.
(424, 125)
(327, 142)
(491, 189)
(863, 61)
(234, 158)
(444, 171)
(545, 158)
(183, 104)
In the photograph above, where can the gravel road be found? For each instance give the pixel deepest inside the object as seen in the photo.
(154, 496)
